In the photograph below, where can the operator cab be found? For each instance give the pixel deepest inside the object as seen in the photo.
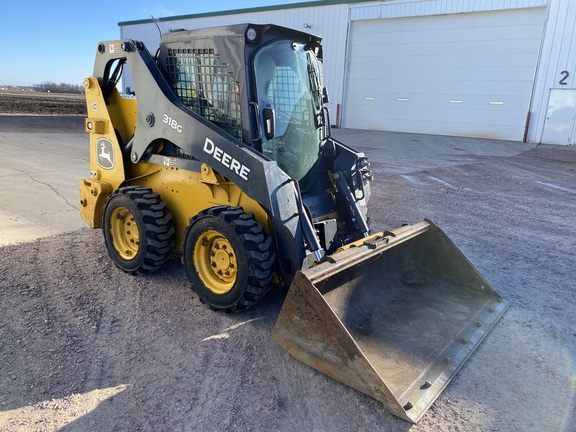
(263, 85)
(291, 107)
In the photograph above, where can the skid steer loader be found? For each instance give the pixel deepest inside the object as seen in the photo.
(222, 151)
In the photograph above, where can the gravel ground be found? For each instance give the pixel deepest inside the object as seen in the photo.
(84, 346)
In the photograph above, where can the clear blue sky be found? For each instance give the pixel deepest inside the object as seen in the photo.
(56, 40)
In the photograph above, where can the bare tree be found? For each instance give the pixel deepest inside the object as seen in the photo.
(48, 86)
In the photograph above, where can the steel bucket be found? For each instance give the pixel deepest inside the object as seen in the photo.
(394, 317)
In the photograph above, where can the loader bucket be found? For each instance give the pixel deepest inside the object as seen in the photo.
(394, 317)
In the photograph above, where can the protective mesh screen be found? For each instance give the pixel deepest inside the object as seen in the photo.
(204, 84)
(284, 90)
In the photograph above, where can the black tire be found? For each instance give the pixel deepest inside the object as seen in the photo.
(138, 229)
(228, 258)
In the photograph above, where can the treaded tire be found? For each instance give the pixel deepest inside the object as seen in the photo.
(147, 247)
(248, 261)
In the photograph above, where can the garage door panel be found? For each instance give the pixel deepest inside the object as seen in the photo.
(422, 122)
(455, 101)
(448, 88)
(479, 22)
(458, 49)
(484, 47)
(424, 126)
(468, 60)
(394, 73)
(489, 115)
(451, 107)
(457, 71)
(465, 33)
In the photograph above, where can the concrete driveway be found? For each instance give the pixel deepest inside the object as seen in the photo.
(42, 161)
(44, 158)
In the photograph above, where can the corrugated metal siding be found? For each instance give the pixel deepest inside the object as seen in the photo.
(330, 22)
(558, 55)
(414, 8)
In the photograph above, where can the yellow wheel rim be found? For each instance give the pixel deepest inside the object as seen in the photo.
(125, 235)
(215, 262)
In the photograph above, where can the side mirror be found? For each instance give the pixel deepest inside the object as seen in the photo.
(269, 116)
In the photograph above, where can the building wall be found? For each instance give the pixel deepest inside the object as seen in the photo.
(556, 64)
(556, 71)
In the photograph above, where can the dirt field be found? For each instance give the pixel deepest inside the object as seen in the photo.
(86, 347)
(12, 102)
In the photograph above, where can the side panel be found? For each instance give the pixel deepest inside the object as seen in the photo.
(188, 192)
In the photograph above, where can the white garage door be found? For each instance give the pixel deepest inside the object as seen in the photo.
(462, 74)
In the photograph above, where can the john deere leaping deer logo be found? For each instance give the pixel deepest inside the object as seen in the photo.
(105, 153)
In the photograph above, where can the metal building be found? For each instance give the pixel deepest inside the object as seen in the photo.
(498, 69)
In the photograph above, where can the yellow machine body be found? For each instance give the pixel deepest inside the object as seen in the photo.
(201, 190)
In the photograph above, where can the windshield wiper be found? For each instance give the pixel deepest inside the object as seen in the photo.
(315, 81)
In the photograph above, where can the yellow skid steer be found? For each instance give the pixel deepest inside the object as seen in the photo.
(221, 151)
